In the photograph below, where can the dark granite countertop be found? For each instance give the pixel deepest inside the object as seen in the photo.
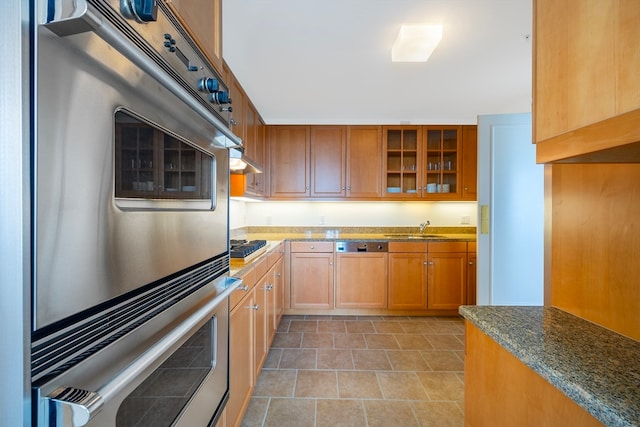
(594, 366)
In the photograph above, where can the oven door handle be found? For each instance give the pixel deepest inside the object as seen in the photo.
(73, 407)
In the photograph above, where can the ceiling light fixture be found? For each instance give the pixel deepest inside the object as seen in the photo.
(415, 43)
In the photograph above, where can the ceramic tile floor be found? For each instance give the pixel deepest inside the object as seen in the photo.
(362, 371)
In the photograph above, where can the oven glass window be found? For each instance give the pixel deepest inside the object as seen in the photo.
(153, 164)
(159, 400)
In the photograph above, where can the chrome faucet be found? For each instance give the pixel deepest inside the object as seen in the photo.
(423, 226)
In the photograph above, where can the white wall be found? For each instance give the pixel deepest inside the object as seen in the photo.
(350, 214)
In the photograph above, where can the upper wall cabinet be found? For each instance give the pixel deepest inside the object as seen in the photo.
(364, 162)
(254, 143)
(469, 162)
(429, 162)
(324, 162)
(328, 144)
(373, 162)
(289, 153)
(586, 92)
(203, 19)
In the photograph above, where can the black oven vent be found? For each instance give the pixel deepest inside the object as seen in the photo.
(60, 350)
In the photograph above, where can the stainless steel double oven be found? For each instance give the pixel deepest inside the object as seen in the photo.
(131, 262)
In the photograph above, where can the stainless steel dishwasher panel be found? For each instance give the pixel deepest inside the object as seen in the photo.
(361, 246)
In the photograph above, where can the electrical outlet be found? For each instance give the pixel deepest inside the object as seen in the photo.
(466, 219)
(321, 219)
(268, 220)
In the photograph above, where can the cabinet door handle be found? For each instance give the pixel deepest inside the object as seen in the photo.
(268, 288)
(243, 288)
(256, 307)
(312, 247)
(470, 262)
(278, 274)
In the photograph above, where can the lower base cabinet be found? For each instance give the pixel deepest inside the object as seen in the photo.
(471, 278)
(260, 319)
(254, 318)
(407, 275)
(501, 391)
(312, 275)
(241, 374)
(447, 275)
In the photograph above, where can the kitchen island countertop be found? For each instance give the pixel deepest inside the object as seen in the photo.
(595, 367)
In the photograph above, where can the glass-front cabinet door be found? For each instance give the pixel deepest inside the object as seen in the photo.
(422, 162)
(402, 161)
(441, 165)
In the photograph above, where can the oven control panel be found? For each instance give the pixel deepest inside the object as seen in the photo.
(156, 36)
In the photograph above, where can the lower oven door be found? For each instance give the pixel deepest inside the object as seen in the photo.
(190, 388)
(179, 379)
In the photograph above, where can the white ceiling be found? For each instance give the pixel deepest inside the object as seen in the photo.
(329, 61)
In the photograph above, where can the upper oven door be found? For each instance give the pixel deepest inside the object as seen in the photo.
(101, 231)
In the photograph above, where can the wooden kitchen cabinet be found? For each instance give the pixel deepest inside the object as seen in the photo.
(275, 290)
(256, 310)
(502, 391)
(441, 163)
(407, 276)
(472, 268)
(469, 162)
(328, 161)
(238, 105)
(446, 275)
(401, 160)
(278, 297)
(586, 91)
(254, 146)
(289, 148)
(203, 20)
(364, 162)
(373, 162)
(325, 162)
(429, 162)
(361, 280)
(311, 275)
(261, 306)
(241, 358)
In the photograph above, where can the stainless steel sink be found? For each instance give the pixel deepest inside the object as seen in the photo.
(415, 236)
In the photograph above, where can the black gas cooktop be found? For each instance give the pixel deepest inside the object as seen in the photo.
(244, 248)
